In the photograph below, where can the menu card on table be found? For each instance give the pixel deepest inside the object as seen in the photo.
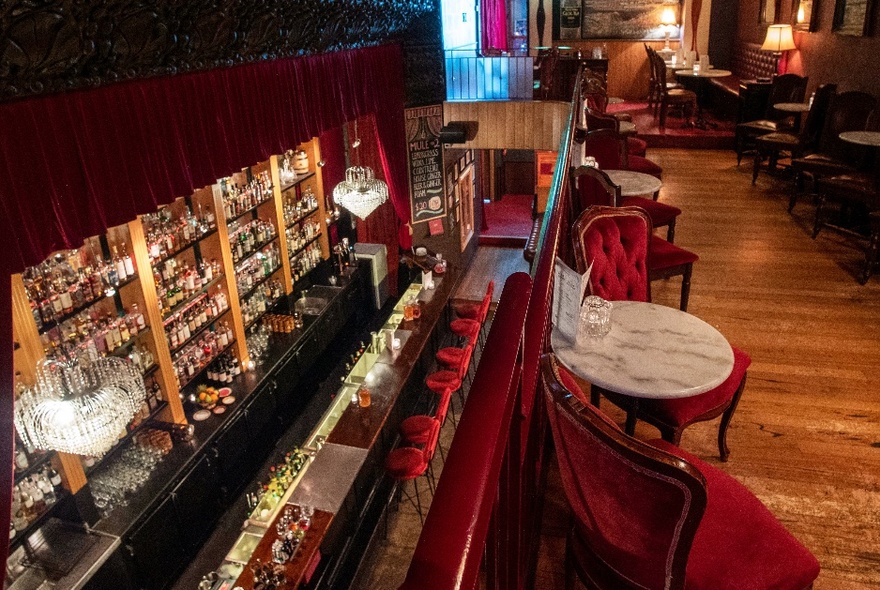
(569, 289)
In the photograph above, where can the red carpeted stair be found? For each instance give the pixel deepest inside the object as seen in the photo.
(509, 221)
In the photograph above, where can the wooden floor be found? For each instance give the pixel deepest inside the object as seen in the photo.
(806, 435)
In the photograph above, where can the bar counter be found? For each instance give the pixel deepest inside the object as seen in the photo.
(346, 477)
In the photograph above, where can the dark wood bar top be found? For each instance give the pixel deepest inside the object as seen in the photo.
(298, 569)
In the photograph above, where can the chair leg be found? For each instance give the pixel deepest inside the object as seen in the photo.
(756, 167)
(670, 232)
(663, 108)
(723, 450)
(873, 252)
(796, 188)
(671, 435)
(686, 286)
(819, 221)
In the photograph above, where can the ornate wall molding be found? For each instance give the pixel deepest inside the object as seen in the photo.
(49, 46)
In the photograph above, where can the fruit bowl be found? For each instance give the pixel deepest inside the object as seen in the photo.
(207, 397)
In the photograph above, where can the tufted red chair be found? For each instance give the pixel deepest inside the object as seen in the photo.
(592, 186)
(649, 515)
(634, 145)
(605, 145)
(617, 242)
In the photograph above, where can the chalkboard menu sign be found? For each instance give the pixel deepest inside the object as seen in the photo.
(425, 156)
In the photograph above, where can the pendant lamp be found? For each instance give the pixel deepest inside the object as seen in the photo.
(361, 192)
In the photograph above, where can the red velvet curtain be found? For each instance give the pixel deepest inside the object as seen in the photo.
(381, 226)
(75, 164)
(493, 25)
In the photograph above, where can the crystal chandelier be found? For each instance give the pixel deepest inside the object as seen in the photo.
(79, 406)
(360, 192)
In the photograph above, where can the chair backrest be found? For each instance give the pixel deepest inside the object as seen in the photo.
(636, 508)
(848, 111)
(615, 240)
(547, 71)
(487, 301)
(659, 68)
(593, 91)
(785, 88)
(816, 116)
(605, 145)
(596, 120)
(431, 445)
(591, 186)
(653, 74)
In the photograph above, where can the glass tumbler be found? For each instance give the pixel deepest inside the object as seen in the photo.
(595, 318)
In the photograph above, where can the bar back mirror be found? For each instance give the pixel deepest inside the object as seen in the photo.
(803, 16)
(851, 17)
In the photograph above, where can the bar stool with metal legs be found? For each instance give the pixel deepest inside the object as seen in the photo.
(438, 381)
(409, 463)
(416, 429)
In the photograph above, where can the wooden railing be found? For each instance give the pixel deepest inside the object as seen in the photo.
(487, 507)
(489, 78)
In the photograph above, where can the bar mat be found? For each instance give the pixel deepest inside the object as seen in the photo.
(57, 547)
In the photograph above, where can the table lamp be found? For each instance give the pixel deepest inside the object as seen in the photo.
(669, 22)
(779, 39)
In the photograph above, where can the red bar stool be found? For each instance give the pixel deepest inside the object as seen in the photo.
(451, 379)
(471, 310)
(416, 429)
(409, 463)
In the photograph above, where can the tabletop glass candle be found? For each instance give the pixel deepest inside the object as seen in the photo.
(595, 318)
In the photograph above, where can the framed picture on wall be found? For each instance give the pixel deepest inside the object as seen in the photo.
(769, 9)
(851, 17)
(611, 19)
(803, 16)
(466, 205)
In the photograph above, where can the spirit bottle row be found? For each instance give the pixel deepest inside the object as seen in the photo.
(243, 240)
(32, 496)
(94, 333)
(262, 300)
(296, 209)
(63, 283)
(297, 238)
(166, 233)
(196, 355)
(305, 261)
(178, 281)
(239, 198)
(224, 369)
(182, 325)
(254, 269)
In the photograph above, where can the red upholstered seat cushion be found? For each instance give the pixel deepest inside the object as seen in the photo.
(665, 255)
(439, 381)
(616, 249)
(660, 213)
(469, 310)
(636, 146)
(759, 126)
(739, 543)
(450, 356)
(464, 328)
(405, 463)
(681, 411)
(417, 429)
(645, 166)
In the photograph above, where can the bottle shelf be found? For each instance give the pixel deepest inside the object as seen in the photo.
(198, 332)
(204, 367)
(302, 248)
(262, 280)
(20, 536)
(250, 209)
(36, 463)
(150, 370)
(47, 326)
(300, 178)
(257, 249)
(157, 261)
(122, 349)
(195, 295)
(269, 306)
(301, 218)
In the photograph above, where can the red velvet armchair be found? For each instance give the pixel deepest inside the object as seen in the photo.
(651, 516)
(617, 242)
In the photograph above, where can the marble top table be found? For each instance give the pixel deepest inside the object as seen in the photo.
(627, 128)
(792, 107)
(870, 138)
(710, 73)
(634, 184)
(652, 351)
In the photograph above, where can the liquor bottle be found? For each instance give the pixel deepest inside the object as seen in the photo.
(119, 266)
(128, 262)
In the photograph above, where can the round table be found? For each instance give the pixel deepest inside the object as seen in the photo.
(870, 138)
(627, 128)
(795, 108)
(651, 352)
(634, 184)
(702, 76)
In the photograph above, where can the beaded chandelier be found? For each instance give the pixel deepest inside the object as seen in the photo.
(79, 407)
(360, 192)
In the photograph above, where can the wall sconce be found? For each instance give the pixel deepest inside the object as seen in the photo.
(669, 20)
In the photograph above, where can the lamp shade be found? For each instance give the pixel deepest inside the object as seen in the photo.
(779, 38)
(667, 17)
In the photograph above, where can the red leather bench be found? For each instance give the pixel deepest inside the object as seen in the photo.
(742, 93)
